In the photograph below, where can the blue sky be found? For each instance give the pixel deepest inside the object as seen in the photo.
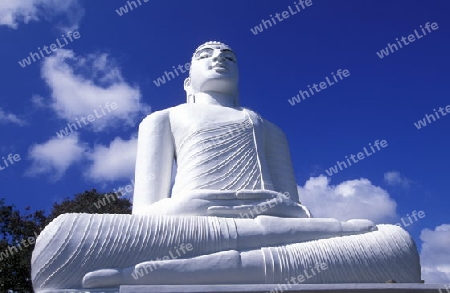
(116, 59)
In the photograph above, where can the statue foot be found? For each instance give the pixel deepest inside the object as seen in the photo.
(358, 226)
(103, 278)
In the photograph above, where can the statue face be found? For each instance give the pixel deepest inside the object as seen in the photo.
(214, 68)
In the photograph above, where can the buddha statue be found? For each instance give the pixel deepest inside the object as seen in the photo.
(232, 216)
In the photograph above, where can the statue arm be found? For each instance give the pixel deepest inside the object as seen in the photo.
(279, 160)
(155, 155)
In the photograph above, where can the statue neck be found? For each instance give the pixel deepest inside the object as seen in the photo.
(214, 98)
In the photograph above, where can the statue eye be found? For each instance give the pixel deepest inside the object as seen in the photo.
(230, 58)
(204, 55)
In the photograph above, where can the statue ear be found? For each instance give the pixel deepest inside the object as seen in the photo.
(187, 87)
(187, 84)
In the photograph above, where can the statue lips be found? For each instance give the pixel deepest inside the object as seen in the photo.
(220, 67)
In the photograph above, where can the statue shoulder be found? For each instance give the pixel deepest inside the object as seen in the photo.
(272, 125)
(251, 111)
(161, 115)
(166, 116)
(157, 117)
(274, 129)
(269, 126)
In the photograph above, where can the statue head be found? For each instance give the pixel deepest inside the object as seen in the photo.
(213, 70)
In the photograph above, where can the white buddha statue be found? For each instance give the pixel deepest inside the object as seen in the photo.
(228, 157)
(234, 203)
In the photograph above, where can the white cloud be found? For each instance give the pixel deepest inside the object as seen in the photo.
(114, 162)
(106, 163)
(13, 12)
(352, 199)
(395, 178)
(81, 85)
(38, 101)
(435, 254)
(55, 156)
(11, 118)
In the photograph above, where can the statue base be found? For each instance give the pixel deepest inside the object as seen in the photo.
(267, 288)
(300, 288)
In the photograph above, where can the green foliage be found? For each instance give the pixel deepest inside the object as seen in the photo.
(18, 232)
(91, 202)
(15, 248)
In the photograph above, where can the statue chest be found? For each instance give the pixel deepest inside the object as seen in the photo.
(214, 124)
(220, 151)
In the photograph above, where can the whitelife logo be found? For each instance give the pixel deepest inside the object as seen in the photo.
(411, 38)
(284, 15)
(323, 85)
(37, 56)
(11, 159)
(360, 155)
(71, 127)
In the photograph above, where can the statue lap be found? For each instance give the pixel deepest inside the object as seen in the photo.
(145, 238)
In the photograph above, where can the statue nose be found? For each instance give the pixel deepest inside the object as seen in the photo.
(219, 57)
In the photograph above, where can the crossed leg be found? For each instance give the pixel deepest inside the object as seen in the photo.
(221, 267)
(229, 266)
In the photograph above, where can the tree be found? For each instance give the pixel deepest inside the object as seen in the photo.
(91, 202)
(19, 232)
(16, 245)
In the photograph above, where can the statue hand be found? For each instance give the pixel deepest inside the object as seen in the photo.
(264, 202)
(197, 202)
(229, 204)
